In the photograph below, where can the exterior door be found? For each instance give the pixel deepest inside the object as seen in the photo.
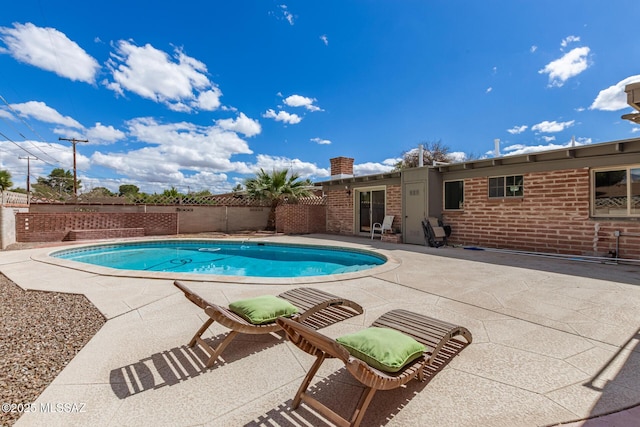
(371, 209)
(415, 206)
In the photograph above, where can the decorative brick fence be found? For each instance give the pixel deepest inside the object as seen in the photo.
(304, 216)
(55, 227)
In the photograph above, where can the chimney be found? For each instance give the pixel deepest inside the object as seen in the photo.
(496, 151)
(341, 167)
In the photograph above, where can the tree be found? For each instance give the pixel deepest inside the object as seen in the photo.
(434, 151)
(276, 187)
(128, 190)
(58, 182)
(5, 180)
(99, 192)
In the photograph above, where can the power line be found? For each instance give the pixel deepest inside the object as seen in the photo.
(19, 117)
(24, 149)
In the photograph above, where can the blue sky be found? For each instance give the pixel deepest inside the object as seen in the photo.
(201, 94)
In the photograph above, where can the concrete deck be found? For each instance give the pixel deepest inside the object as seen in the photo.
(554, 341)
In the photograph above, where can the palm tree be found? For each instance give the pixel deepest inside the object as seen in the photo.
(276, 187)
(5, 180)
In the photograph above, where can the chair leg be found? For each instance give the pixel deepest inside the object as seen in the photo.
(363, 404)
(215, 353)
(200, 332)
(307, 380)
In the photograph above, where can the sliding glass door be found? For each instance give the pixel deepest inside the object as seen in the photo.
(370, 209)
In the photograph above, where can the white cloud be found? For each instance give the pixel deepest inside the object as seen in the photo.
(516, 149)
(282, 116)
(548, 138)
(209, 100)
(100, 134)
(301, 101)
(180, 82)
(635, 130)
(489, 90)
(304, 169)
(569, 65)
(569, 39)
(42, 112)
(324, 39)
(551, 127)
(287, 15)
(243, 124)
(49, 49)
(282, 12)
(614, 97)
(533, 48)
(321, 141)
(172, 149)
(371, 168)
(517, 129)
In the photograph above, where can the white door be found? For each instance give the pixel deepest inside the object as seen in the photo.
(415, 205)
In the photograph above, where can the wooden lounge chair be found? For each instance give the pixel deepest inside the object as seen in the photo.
(433, 333)
(316, 308)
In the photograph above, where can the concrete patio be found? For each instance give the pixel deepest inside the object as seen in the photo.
(554, 341)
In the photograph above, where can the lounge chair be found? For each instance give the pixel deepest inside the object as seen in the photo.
(435, 233)
(433, 333)
(382, 227)
(315, 307)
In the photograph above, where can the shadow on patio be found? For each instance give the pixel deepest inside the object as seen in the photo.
(179, 364)
(343, 391)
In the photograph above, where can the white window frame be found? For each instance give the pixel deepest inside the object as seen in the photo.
(617, 213)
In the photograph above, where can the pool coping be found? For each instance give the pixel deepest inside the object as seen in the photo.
(390, 264)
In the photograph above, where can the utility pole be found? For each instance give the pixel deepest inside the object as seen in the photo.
(73, 142)
(28, 159)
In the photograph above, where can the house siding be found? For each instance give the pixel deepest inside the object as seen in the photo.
(341, 208)
(553, 216)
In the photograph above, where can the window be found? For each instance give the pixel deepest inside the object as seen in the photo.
(454, 194)
(616, 192)
(506, 186)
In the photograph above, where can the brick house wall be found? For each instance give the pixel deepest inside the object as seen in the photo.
(341, 208)
(51, 227)
(394, 205)
(340, 213)
(552, 217)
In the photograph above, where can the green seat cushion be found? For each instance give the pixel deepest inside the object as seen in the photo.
(383, 348)
(263, 309)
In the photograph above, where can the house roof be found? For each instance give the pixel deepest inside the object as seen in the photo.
(361, 179)
(592, 155)
(591, 151)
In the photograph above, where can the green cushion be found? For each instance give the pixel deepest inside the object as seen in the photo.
(383, 348)
(263, 309)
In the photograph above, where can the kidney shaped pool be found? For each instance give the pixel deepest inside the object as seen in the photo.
(227, 258)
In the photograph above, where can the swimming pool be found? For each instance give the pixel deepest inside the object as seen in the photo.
(225, 258)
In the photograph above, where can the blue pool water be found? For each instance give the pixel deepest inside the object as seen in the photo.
(255, 259)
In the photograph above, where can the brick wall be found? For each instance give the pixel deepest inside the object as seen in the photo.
(51, 227)
(394, 205)
(301, 219)
(339, 212)
(553, 217)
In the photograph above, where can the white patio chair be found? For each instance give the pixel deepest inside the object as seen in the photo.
(386, 225)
